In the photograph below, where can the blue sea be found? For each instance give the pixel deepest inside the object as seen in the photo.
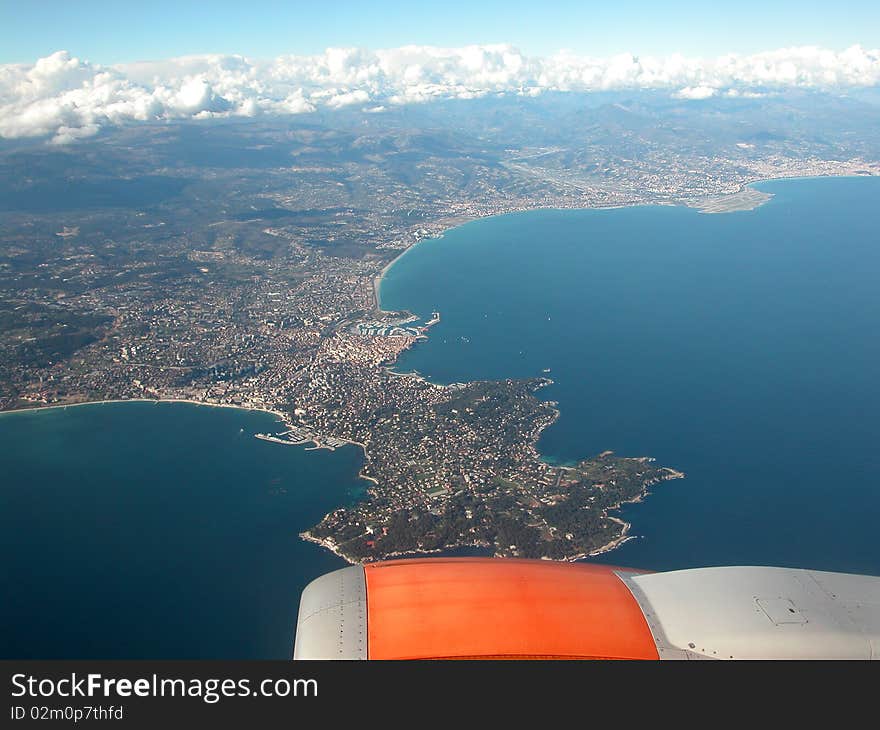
(166, 531)
(740, 348)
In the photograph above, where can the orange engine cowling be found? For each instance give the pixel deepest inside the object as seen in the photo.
(478, 608)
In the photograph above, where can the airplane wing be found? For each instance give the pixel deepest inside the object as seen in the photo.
(487, 608)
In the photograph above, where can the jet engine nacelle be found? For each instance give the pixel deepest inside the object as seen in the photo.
(487, 608)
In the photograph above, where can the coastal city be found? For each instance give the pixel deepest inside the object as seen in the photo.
(256, 287)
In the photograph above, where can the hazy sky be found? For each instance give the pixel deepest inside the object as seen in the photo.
(115, 31)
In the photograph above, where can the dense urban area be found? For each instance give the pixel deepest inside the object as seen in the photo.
(237, 264)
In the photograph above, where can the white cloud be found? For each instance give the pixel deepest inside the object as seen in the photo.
(696, 92)
(345, 98)
(66, 98)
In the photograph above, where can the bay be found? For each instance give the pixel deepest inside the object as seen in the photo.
(741, 348)
(141, 530)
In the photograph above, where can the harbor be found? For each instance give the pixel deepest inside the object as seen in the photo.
(299, 435)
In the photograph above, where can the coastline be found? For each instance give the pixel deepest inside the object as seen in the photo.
(458, 221)
(282, 417)
(327, 545)
(377, 282)
(625, 527)
(54, 406)
(612, 544)
(410, 554)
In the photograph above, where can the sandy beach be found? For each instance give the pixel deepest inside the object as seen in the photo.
(53, 406)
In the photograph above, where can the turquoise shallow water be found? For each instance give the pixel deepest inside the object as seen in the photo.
(740, 348)
(138, 530)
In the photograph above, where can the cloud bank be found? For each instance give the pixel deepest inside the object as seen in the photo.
(65, 98)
